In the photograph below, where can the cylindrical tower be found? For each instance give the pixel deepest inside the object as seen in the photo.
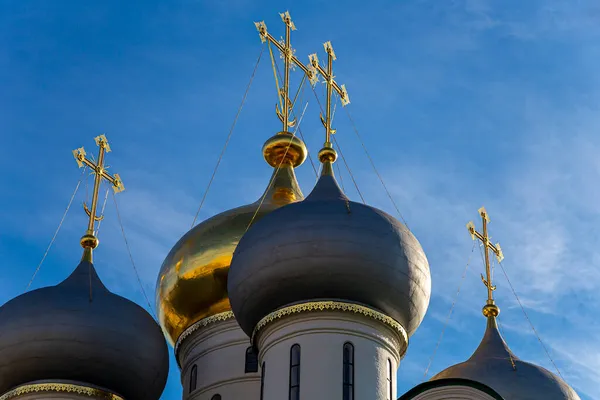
(329, 290)
(213, 353)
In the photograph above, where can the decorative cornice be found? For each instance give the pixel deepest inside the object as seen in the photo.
(60, 388)
(329, 305)
(224, 316)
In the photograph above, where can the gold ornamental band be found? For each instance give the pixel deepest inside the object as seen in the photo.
(329, 305)
(60, 388)
(224, 316)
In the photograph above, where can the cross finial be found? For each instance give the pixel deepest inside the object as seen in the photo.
(327, 153)
(490, 309)
(285, 47)
(89, 241)
(283, 112)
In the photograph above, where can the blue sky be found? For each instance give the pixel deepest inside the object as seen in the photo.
(461, 103)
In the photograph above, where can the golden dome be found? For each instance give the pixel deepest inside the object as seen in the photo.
(192, 283)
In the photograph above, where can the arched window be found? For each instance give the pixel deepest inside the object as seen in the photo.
(295, 372)
(251, 360)
(216, 397)
(390, 381)
(193, 378)
(348, 373)
(262, 381)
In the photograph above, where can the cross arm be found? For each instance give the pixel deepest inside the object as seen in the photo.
(266, 36)
(81, 159)
(494, 247)
(341, 90)
(114, 180)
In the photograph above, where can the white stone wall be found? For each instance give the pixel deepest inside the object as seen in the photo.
(219, 353)
(321, 336)
(453, 392)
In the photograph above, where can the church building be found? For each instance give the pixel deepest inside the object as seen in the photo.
(291, 297)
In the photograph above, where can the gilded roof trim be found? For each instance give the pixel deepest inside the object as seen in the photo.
(60, 388)
(223, 316)
(330, 305)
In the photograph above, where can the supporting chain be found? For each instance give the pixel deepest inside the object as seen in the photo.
(529, 320)
(57, 230)
(131, 258)
(337, 145)
(301, 91)
(228, 137)
(272, 180)
(102, 213)
(462, 279)
(375, 168)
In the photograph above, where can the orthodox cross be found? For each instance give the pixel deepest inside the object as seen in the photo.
(331, 85)
(485, 239)
(285, 47)
(98, 168)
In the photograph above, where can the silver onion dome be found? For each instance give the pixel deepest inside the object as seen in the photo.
(494, 365)
(327, 247)
(79, 331)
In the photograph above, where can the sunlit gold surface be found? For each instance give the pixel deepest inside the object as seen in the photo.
(284, 149)
(89, 241)
(192, 283)
(490, 309)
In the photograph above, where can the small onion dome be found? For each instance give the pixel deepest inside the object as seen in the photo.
(327, 247)
(192, 283)
(57, 333)
(494, 365)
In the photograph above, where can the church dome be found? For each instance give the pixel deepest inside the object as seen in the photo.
(79, 331)
(192, 283)
(327, 247)
(494, 365)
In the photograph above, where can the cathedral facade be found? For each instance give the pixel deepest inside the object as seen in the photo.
(286, 298)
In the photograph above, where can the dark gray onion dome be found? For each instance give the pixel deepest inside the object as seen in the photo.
(327, 247)
(494, 365)
(57, 333)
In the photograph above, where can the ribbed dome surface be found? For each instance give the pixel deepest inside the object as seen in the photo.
(327, 247)
(57, 333)
(491, 365)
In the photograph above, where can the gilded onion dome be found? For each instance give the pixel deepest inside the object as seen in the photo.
(329, 248)
(494, 365)
(192, 284)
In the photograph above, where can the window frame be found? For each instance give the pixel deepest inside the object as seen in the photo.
(348, 363)
(294, 371)
(390, 380)
(262, 380)
(251, 361)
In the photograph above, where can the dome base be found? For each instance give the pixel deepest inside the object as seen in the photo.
(212, 359)
(68, 390)
(315, 337)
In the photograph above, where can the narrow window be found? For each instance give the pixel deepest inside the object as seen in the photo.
(390, 381)
(348, 374)
(295, 372)
(216, 397)
(262, 381)
(193, 378)
(251, 361)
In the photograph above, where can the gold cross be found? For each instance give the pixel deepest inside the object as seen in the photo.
(289, 59)
(485, 239)
(331, 85)
(89, 240)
